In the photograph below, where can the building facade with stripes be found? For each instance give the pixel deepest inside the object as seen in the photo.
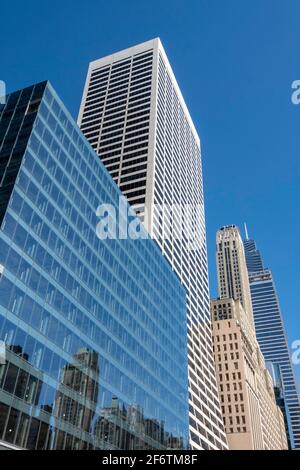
(271, 334)
(133, 114)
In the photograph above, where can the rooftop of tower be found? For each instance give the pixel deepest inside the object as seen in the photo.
(225, 227)
(138, 49)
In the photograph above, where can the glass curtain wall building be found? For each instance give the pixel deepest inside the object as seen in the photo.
(270, 333)
(94, 330)
(133, 114)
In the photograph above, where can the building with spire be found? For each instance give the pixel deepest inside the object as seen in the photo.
(252, 418)
(271, 334)
(231, 268)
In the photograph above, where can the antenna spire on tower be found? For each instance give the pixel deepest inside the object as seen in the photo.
(246, 231)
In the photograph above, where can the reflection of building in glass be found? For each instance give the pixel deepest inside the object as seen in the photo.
(21, 379)
(82, 376)
(127, 427)
(83, 319)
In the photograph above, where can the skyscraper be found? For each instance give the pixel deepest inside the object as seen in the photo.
(270, 332)
(251, 415)
(232, 271)
(135, 117)
(276, 375)
(85, 320)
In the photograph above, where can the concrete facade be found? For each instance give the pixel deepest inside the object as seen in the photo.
(134, 116)
(251, 416)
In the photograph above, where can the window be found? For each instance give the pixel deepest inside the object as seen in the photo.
(3, 417)
(12, 425)
(33, 106)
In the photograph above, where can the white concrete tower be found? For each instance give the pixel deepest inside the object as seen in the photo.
(135, 117)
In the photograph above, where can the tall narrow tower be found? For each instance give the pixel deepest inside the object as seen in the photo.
(252, 418)
(135, 117)
(270, 332)
(232, 269)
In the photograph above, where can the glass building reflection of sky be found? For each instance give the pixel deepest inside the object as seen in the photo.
(271, 335)
(95, 331)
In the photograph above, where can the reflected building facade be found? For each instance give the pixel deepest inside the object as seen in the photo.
(113, 419)
(86, 322)
(82, 377)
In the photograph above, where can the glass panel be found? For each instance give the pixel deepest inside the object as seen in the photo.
(12, 424)
(42, 443)
(21, 384)
(33, 434)
(3, 418)
(11, 378)
(22, 431)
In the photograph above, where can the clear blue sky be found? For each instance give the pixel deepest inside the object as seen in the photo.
(235, 62)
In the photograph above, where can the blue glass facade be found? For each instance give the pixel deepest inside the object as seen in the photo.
(271, 335)
(95, 330)
(253, 256)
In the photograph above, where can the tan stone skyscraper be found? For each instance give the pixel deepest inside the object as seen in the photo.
(251, 416)
(232, 270)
